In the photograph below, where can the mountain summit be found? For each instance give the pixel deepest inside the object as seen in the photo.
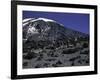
(47, 43)
(47, 29)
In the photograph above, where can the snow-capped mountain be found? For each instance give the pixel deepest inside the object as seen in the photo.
(47, 43)
(45, 31)
(47, 27)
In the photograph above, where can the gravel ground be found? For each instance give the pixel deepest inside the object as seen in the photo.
(61, 57)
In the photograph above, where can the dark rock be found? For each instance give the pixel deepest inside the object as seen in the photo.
(59, 63)
(38, 66)
(84, 52)
(46, 65)
(30, 55)
(74, 58)
(85, 45)
(25, 64)
(50, 59)
(69, 51)
(54, 65)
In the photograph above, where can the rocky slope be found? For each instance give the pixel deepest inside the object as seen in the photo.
(46, 43)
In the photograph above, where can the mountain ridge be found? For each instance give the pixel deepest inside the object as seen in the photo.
(49, 28)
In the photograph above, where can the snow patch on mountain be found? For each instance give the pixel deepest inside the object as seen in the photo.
(27, 20)
(34, 19)
(32, 30)
(45, 19)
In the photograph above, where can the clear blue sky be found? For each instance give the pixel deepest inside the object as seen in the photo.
(76, 21)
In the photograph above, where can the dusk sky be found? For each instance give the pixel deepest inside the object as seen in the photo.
(76, 21)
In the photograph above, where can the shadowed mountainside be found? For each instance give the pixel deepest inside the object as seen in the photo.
(46, 43)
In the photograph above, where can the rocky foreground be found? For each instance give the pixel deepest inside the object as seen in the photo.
(59, 57)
